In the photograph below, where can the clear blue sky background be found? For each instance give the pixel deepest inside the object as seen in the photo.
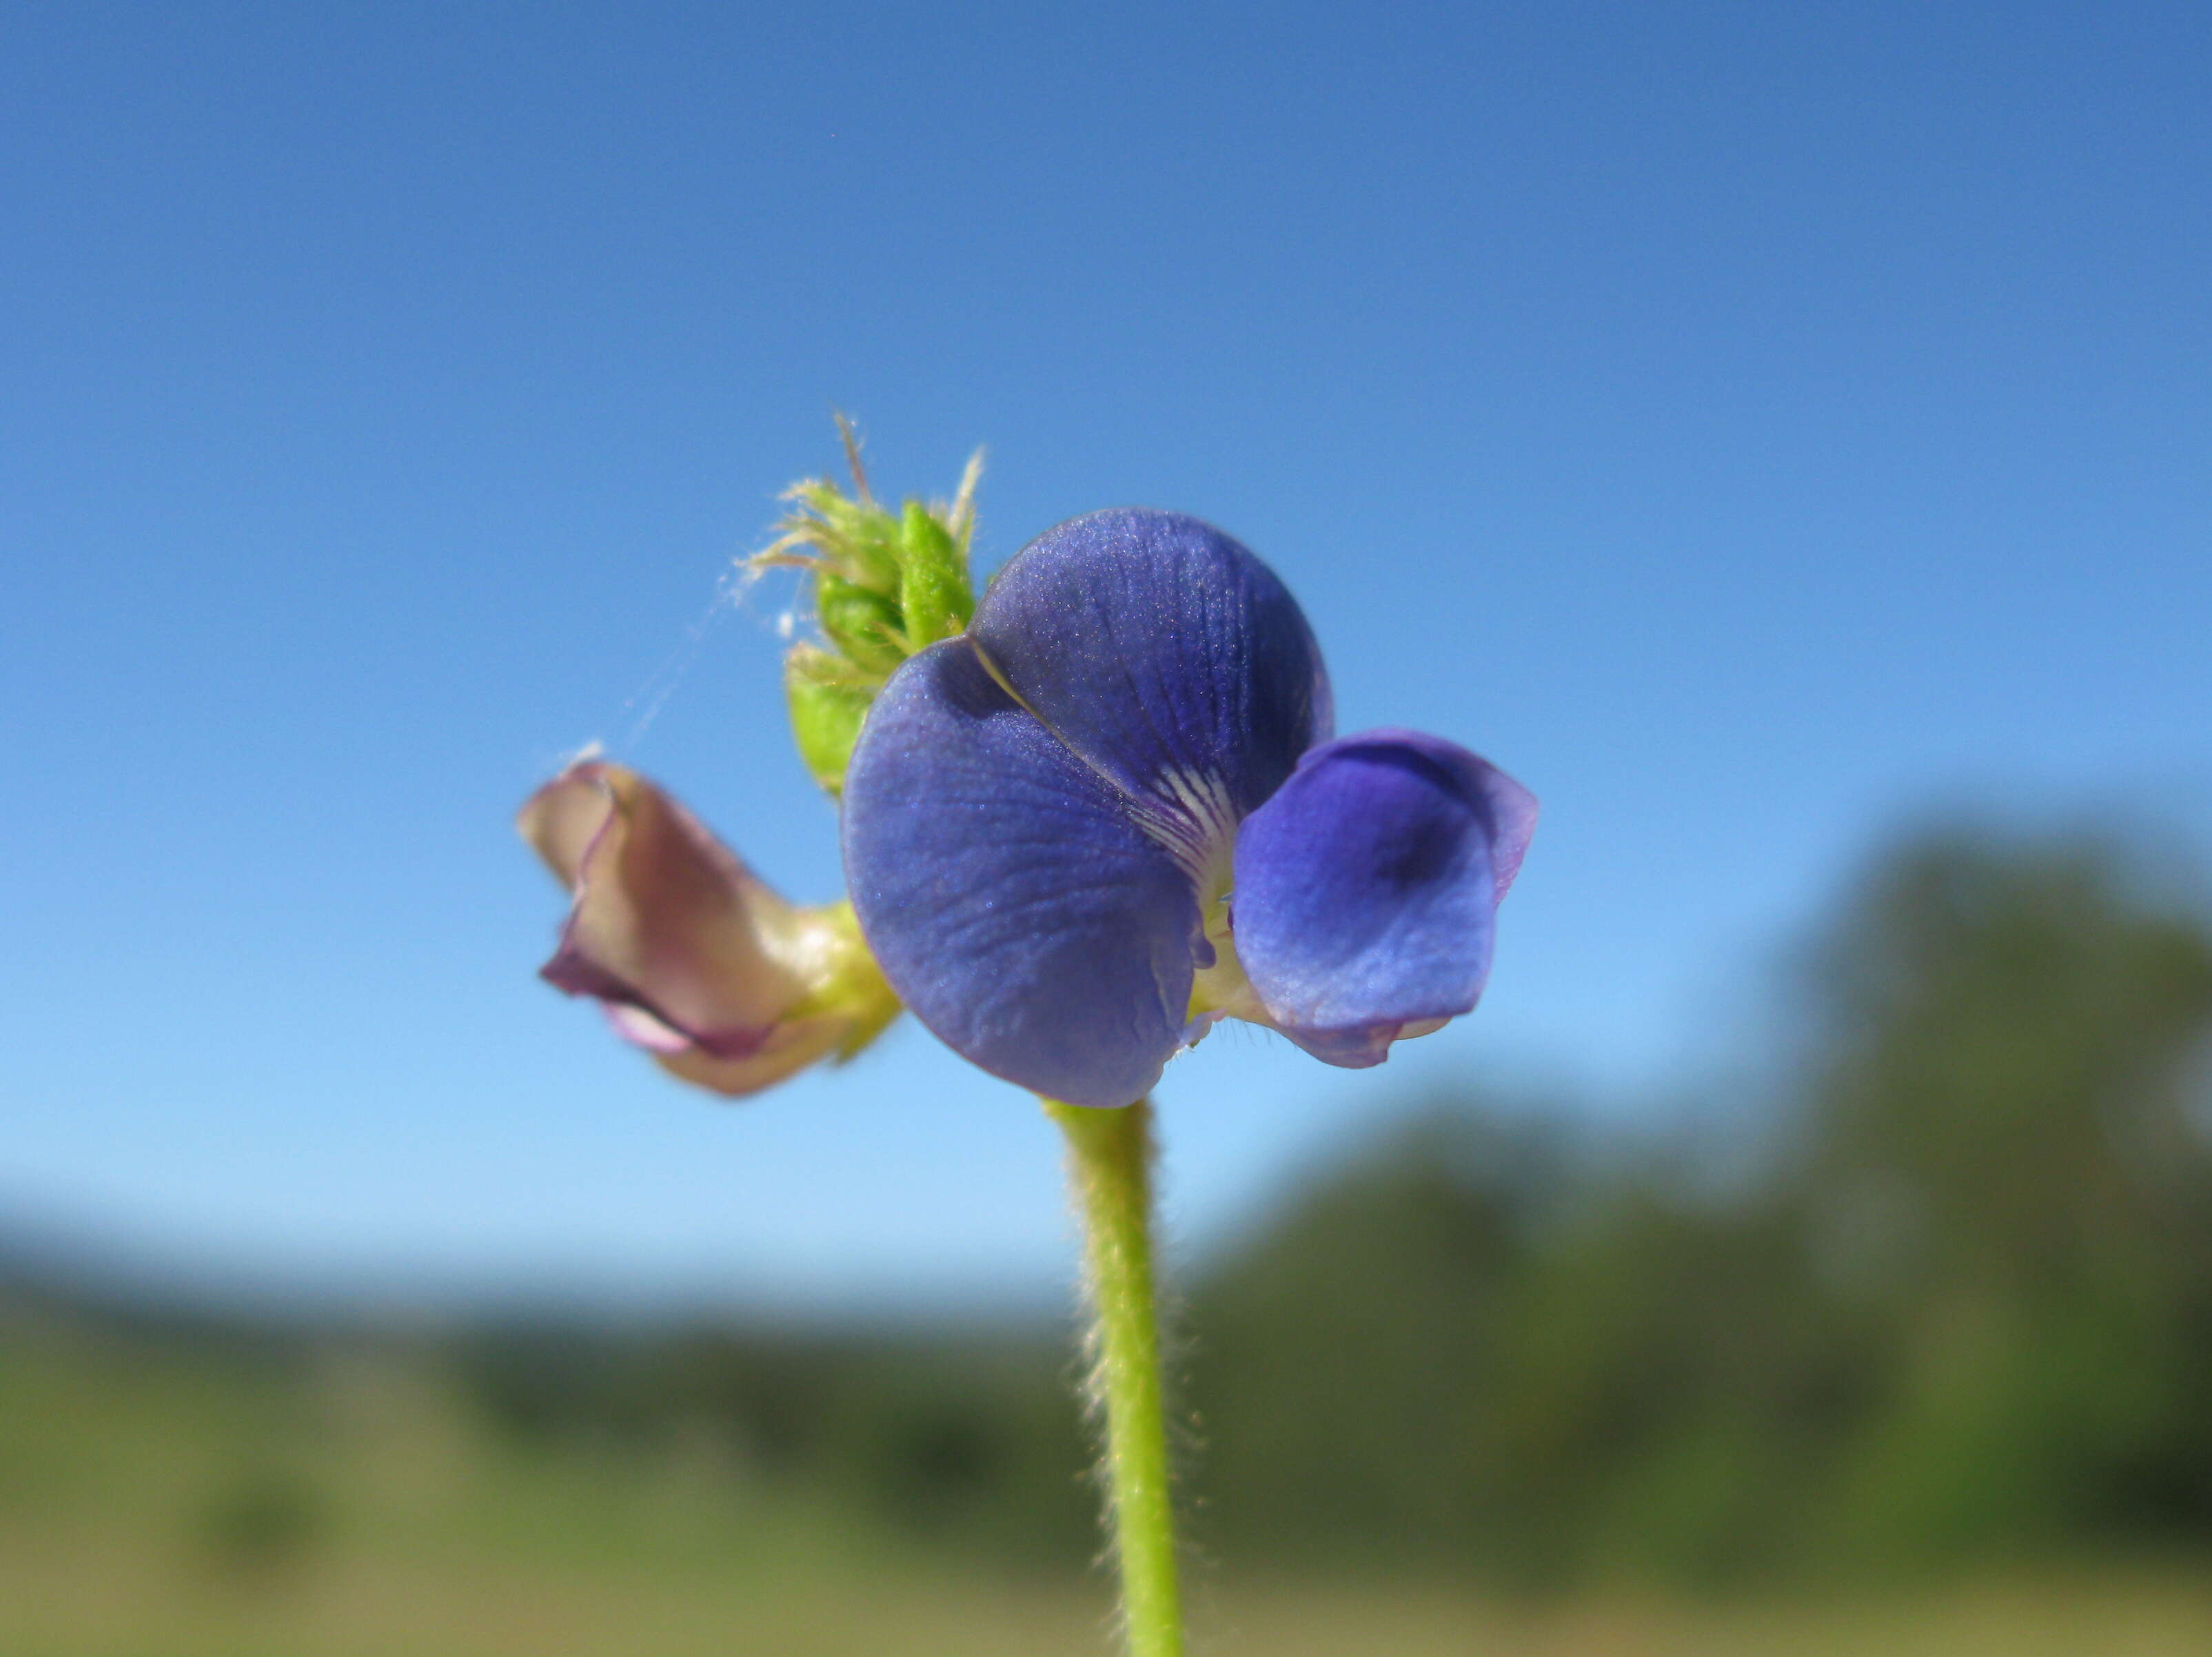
(1749, 425)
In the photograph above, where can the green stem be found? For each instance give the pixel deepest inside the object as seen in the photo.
(1110, 1157)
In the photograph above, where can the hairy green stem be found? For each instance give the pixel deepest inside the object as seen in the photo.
(1109, 1157)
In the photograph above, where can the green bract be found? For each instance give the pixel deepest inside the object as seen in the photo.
(885, 584)
(828, 698)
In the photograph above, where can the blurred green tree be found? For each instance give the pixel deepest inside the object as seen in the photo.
(1964, 1311)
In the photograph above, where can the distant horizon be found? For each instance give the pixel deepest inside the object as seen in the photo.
(143, 1257)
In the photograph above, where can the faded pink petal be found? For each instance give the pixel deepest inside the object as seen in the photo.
(694, 957)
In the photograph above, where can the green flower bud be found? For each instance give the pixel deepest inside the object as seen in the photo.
(933, 591)
(866, 626)
(885, 585)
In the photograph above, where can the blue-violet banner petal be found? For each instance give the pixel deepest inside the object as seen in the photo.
(1010, 894)
(1168, 656)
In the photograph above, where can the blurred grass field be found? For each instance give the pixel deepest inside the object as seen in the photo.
(70, 1607)
(160, 1504)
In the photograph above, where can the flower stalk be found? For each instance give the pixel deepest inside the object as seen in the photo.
(1109, 1162)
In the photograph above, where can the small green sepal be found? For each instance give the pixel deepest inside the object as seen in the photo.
(846, 982)
(829, 700)
(933, 591)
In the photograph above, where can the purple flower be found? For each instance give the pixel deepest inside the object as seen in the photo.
(1111, 813)
(692, 957)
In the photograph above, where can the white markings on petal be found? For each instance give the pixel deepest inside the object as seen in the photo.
(1189, 813)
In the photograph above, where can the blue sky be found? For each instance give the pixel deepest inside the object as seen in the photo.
(1753, 427)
